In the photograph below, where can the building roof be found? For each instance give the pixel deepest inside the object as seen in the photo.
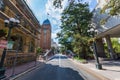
(46, 22)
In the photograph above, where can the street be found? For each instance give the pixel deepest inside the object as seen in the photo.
(59, 67)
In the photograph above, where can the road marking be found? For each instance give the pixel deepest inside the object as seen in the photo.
(59, 62)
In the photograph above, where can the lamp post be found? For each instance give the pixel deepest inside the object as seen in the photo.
(11, 23)
(92, 31)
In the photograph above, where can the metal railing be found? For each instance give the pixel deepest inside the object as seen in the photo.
(21, 59)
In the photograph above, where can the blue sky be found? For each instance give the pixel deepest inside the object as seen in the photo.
(41, 7)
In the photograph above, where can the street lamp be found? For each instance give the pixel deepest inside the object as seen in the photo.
(92, 31)
(11, 23)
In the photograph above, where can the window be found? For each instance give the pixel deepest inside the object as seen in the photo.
(31, 47)
(18, 43)
(45, 31)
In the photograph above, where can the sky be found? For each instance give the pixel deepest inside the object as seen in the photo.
(41, 9)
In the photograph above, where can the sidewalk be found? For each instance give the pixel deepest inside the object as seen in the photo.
(111, 69)
(22, 68)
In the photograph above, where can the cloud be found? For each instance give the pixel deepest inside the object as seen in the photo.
(92, 3)
(88, 1)
(54, 13)
(54, 35)
(29, 2)
(54, 22)
(55, 16)
(55, 32)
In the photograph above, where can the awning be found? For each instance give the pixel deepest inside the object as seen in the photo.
(112, 32)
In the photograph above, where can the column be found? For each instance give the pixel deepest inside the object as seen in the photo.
(110, 48)
(100, 48)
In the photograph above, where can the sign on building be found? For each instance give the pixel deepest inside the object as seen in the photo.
(3, 44)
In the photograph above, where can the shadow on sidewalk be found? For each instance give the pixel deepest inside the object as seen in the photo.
(112, 70)
(107, 62)
(111, 63)
(10, 72)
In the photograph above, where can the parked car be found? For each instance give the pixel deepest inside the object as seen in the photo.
(69, 53)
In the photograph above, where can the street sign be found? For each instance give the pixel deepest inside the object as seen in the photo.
(3, 44)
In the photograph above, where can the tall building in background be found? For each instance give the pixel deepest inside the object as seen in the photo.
(45, 41)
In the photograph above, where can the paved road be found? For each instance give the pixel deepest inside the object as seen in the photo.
(58, 68)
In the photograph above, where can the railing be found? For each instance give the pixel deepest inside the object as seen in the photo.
(21, 59)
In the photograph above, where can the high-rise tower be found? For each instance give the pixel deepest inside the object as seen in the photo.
(45, 41)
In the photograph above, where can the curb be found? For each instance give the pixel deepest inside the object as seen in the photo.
(29, 70)
(95, 74)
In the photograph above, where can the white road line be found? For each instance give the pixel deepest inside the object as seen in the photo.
(59, 62)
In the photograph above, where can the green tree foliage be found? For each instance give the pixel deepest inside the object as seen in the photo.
(75, 21)
(64, 40)
(80, 45)
(38, 51)
(3, 32)
(116, 45)
(113, 7)
(76, 18)
(58, 3)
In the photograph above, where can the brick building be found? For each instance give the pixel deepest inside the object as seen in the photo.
(45, 40)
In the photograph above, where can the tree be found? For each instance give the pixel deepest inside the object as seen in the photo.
(80, 45)
(2, 33)
(76, 18)
(38, 51)
(58, 3)
(113, 7)
(64, 41)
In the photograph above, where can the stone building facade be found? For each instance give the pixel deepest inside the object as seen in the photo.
(27, 34)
